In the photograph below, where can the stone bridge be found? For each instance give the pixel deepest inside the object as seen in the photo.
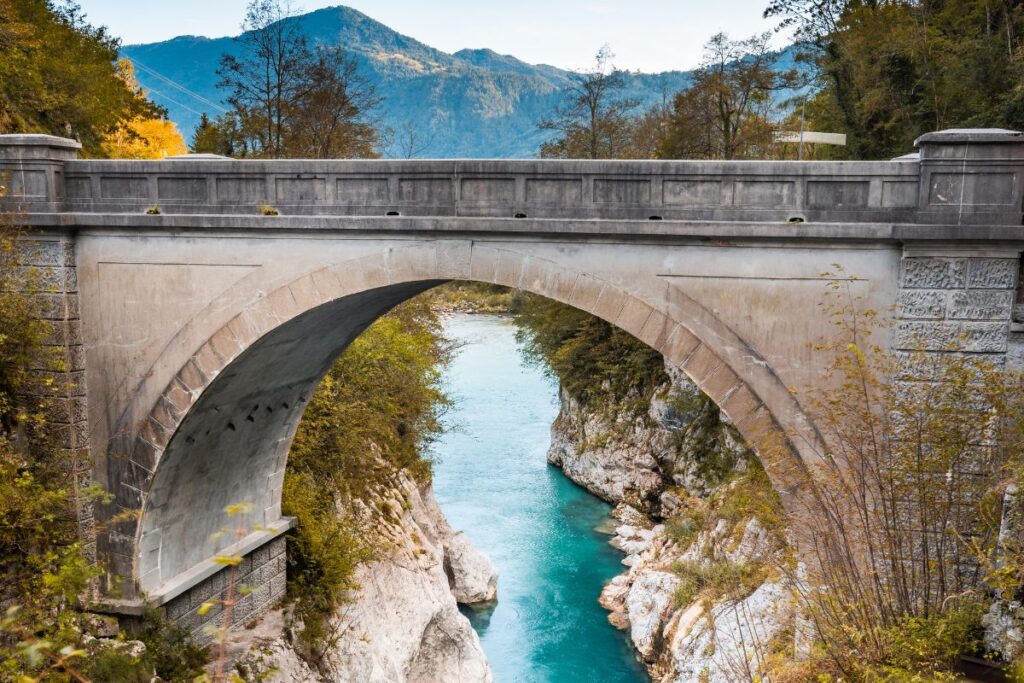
(198, 301)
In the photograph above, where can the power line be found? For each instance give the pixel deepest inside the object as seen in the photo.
(177, 85)
(174, 101)
(196, 96)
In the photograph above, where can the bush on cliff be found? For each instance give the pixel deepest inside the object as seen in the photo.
(370, 420)
(593, 360)
(903, 530)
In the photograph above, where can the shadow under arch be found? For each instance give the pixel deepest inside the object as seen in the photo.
(221, 430)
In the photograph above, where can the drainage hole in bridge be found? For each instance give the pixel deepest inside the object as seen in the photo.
(392, 213)
(520, 215)
(654, 218)
(796, 219)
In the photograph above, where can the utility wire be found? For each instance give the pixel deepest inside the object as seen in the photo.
(196, 96)
(156, 92)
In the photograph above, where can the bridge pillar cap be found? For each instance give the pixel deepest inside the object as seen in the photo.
(38, 140)
(36, 148)
(971, 135)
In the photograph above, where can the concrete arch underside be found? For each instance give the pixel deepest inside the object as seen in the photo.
(221, 430)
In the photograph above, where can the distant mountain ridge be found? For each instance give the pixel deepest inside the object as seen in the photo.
(474, 103)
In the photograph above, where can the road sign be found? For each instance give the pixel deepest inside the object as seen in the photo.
(809, 136)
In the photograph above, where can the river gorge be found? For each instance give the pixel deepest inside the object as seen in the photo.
(540, 530)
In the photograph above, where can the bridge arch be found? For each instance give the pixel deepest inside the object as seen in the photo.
(221, 430)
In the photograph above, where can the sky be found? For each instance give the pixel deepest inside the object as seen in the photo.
(645, 35)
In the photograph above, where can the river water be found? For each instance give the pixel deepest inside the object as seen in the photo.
(538, 528)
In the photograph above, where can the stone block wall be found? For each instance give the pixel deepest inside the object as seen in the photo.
(955, 303)
(48, 263)
(963, 306)
(954, 295)
(260, 583)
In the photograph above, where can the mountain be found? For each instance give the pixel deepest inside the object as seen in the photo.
(474, 103)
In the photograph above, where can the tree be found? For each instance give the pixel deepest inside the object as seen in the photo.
(58, 75)
(727, 112)
(223, 135)
(202, 137)
(289, 99)
(593, 121)
(907, 502)
(894, 70)
(408, 141)
(329, 117)
(593, 360)
(266, 79)
(141, 137)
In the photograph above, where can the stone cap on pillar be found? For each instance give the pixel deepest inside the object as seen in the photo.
(31, 171)
(37, 146)
(966, 135)
(971, 176)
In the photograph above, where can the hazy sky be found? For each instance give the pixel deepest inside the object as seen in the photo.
(649, 35)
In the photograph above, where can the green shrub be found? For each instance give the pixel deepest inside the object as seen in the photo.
(370, 420)
(920, 646)
(720, 580)
(683, 528)
(751, 495)
(169, 652)
(595, 361)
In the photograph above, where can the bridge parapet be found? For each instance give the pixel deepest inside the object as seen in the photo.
(962, 177)
(631, 190)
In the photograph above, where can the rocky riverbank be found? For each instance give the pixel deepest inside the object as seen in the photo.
(402, 624)
(702, 598)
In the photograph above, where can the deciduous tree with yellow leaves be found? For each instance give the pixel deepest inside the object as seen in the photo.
(141, 137)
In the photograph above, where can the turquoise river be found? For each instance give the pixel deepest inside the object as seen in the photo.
(538, 528)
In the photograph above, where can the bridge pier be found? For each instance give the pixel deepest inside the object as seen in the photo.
(49, 260)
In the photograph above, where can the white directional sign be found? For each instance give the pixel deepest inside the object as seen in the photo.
(810, 136)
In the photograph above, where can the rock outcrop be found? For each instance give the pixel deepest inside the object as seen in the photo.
(403, 624)
(682, 634)
(671, 471)
(472, 578)
(623, 467)
(681, 446)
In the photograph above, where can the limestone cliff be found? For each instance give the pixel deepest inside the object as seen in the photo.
(702, 599)
(403, 623)
(680, 446)
(706, 608)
